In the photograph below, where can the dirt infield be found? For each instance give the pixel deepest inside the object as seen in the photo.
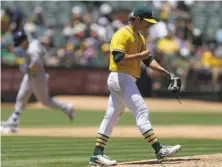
(97, 103)
(213, 132)
(155, 105)
(213, 160)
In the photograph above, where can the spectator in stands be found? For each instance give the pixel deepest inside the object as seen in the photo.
(197, 38)
(213, 63)
(218, 51)
(77, 12)
(38, 16)
(105, 30)
(105, 10)
(219, 36)
(85, 38)
(160, 30)
(184, 45)
(168, 45)
(7, 55)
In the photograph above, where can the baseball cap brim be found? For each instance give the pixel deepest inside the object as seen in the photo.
(153, 21)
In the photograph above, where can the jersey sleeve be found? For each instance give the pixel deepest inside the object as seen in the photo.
(119, 42)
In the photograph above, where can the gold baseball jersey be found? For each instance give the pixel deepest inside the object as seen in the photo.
(129, 42)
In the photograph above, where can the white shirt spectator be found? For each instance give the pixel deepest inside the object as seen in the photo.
(159, 30)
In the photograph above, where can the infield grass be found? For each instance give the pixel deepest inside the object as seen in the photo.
(55, 118)
(75, 152)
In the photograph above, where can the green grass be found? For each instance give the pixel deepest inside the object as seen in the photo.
(75, 152)
(55, 118)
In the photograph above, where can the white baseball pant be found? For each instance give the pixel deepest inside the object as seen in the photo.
(124, 92)
(39, 86)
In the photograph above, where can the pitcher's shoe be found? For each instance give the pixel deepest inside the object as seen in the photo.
(167, 151)
(70, 111)
(101, 160)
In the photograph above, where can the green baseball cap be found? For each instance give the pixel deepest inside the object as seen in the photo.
(145, 12)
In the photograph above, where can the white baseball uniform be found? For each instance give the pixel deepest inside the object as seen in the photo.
(121, 82)
(124, 92)
(35, 81)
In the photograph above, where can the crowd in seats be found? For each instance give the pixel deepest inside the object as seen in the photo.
(78, 34)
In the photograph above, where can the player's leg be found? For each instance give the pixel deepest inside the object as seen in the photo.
(114, 110)
(40, 89)
(136, 104)
(21, 100)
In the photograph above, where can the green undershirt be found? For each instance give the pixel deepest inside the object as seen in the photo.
(118, 56)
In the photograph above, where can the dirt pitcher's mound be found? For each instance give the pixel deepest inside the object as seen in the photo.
(213, 160)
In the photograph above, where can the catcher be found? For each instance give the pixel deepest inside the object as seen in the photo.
(127, 51)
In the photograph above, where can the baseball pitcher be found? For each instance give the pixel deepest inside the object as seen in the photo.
(35, 81)
(127, 50)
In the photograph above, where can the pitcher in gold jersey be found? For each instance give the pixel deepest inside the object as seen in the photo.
(127, 50)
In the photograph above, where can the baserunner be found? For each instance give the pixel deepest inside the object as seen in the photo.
(35, 81)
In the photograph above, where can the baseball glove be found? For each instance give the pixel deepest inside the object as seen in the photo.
(173, 83)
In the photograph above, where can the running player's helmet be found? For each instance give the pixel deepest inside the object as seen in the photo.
(19, 37)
